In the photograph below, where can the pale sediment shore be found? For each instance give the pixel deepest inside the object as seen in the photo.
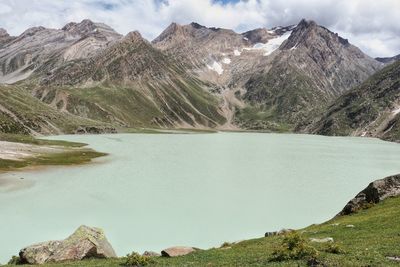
(19, 151)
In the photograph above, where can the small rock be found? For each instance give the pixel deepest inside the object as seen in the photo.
(270, 233)
(395, 258)
(151, 254)
(280, 232)
(321, 240)
(335, 224)
(85, 242)
(177, 251)
(350, 226)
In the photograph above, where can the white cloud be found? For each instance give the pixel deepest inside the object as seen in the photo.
(372, 25)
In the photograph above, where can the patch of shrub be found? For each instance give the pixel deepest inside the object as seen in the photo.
(294, 247)
(136, 260)
(226, 245)
(334, 249)
(15, 260)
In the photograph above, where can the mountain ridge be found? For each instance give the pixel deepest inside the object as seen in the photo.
(189, 76)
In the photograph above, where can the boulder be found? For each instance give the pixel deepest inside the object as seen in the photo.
(177, 251)
(373, 193)
(280, 232)
(85, 242)
(322, 240)
(151, 254)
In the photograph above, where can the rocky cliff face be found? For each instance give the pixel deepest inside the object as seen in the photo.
(371, 109)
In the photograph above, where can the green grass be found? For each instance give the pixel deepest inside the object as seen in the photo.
(375, 236)
(68, 157)
(71, 153)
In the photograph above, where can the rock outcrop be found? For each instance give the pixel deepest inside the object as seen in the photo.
(177, 251)
(373, 193)
(85, 242)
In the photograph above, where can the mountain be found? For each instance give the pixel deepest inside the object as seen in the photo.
(131, 84)
(39, 50)
(190, 76)
(310, 68)
(270, 78)
(388, 60)
(371, 109)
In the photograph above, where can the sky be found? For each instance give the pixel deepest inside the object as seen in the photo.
(372, 25)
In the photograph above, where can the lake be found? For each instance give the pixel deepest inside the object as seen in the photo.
(159, 190)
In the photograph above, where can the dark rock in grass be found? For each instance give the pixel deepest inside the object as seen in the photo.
(151, 254)
(85, 242)
(373, 193)
(177, 251)
(280, 232)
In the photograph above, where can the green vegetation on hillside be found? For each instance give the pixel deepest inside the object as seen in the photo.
(367, 238)
(367, 108)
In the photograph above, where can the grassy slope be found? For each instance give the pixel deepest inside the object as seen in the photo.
(375, 236)
(29, 112)
(365, 107)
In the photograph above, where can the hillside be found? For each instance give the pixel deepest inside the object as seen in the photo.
(373, 241)
(371, 109)
(21, 113)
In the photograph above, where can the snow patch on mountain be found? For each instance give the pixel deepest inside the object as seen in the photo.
(226, 60)
(396, 111)
(271, 45)
(216, 67)
(237, 52)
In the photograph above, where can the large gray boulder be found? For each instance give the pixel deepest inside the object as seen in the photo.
(177, 251)
(373, 193)
(85, 242)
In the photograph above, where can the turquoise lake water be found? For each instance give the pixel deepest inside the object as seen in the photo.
(159, 190)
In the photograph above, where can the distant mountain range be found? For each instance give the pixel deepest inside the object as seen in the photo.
(86, 76)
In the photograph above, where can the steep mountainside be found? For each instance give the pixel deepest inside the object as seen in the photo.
(312, 67)
(270, 79)
(371, 109)
(39, 49)
(189, 76)
(22, 113)
(130, 83)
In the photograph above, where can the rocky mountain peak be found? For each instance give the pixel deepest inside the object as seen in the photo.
(133, 36)
(3, 33)
(304, 23)
(197, 26)
(260, 35)
(32, 31)
(88, 27)
(171, 30)
(308, 33)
